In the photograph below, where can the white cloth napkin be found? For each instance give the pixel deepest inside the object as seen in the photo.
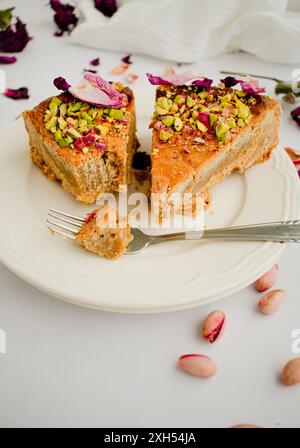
(188, 30)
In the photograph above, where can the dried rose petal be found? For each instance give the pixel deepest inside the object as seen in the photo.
(205, 83)
(61, 84)
(203, 117)
(230, 81)
(296, 115)
(132, 78)
(95, 90)
(17, 94)
(8, 59)
(107, 7)
(175, 80)
(95, 62)
(127, 59)
(14, 37)
(120, 69)
(252, 86)
(64, 16)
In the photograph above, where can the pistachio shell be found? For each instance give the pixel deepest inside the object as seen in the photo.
(272, 301)
(198, 365)
(290, 375)
(268, 279)
(214, 326)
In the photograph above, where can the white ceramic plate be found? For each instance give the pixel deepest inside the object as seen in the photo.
(168, 277)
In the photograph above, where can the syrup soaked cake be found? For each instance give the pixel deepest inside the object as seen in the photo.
(201, 133)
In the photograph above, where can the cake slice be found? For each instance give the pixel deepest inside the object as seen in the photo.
(105, 233)
(201, 134)
(88, 147)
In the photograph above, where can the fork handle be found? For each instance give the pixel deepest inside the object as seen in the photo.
(280, 232)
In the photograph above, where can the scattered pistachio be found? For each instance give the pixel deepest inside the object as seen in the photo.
(268, 279)
(214, 326)
(272, 301)
(198, 365)
(290, 375)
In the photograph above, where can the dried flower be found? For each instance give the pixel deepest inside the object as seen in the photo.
(107, 7)
(13, 36)
(17, 94)
(64, 17)
(8, 59)
(95, 62)
(127, 59)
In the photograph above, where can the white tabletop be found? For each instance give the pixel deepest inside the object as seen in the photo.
(68, 366)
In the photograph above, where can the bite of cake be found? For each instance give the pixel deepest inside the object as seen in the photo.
(85, 137)
(203, 133)
(105, 233)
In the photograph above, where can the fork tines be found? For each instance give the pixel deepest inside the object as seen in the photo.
(57, 221)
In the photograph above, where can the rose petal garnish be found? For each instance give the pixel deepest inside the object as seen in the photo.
(175, 80)
(17, 94)
(107, 7)
(230, 81)
(132, 78)
(127, 59)
(296, 115)
(95, 90)
(13, 37)
(120, 69)
(95, 62)
(61, 84)
(64, 16)
(252, 86)
(8, 59)
(203, 117)
(205, 83)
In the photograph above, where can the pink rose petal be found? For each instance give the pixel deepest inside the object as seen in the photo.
(175, 80)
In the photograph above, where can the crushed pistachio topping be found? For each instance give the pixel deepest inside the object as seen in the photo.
(218, 113)
(79, 125)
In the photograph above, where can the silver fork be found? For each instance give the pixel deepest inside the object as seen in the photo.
(67, 226)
